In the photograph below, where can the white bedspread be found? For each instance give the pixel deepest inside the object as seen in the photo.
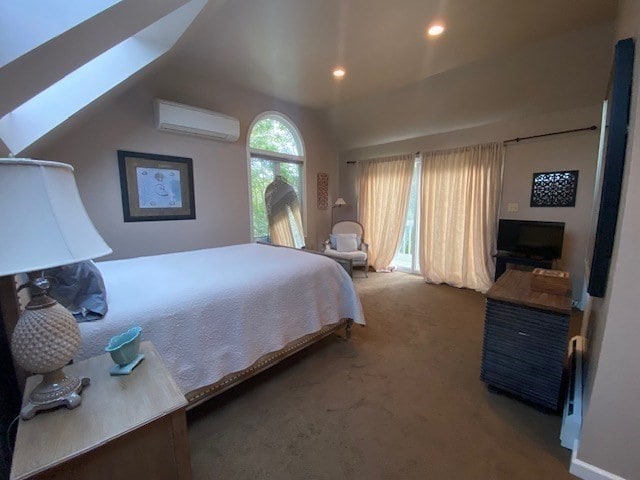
(216, 311)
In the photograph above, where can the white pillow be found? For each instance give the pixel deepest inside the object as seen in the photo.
(332, 239)
(346, 242)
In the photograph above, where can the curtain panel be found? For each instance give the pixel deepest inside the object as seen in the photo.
(385, 184)
(459, 199)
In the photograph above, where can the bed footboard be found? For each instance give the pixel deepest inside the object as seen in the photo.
(196, 397)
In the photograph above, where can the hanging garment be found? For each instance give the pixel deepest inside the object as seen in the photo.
(283, 213)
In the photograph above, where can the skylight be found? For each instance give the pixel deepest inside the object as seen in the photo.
(27, 24)
(54, 105)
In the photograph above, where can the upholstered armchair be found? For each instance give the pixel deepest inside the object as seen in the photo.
(347, 242)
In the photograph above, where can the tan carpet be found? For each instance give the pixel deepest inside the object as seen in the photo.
(401, 400)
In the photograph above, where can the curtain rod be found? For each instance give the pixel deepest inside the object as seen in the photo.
(353, 162)
(516, 140)
(519, 139)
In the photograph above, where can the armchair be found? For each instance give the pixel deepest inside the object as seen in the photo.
(350, 245)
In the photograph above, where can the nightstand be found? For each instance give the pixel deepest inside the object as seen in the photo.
(131, 426)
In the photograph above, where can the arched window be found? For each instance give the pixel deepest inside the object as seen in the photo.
(275, 149)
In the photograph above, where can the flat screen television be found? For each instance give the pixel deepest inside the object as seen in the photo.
(529, 238)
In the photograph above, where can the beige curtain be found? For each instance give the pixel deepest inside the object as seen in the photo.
(385, 184)
(459, 198)
(283, 213)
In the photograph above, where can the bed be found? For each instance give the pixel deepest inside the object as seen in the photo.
(218, 316)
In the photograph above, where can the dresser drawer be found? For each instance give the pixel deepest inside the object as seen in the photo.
(524, 343)
(526, 352)
(496, 361)
(532, 382)
(536, 323)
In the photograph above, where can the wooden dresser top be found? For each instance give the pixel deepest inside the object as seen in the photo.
(514, 286)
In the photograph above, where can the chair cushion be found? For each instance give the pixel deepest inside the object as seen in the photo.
(356, 255)
(346, 242)
(333, 239)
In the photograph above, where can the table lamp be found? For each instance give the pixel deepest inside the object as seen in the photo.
(339, 203)
(44, 225)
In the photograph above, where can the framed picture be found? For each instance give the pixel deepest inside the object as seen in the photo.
(554, 189)
(156, 187)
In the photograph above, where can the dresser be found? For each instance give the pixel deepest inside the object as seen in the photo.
(131, 426)
(525, 340)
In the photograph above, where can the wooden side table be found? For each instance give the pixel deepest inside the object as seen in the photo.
(345, 263)
(131, 426)
(525, 339)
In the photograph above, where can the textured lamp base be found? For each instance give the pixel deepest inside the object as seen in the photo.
(56, 390)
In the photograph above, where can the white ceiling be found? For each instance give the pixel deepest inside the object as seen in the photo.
(497, 59)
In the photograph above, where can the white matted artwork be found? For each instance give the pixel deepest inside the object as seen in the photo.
(156, 187)
(159, 188)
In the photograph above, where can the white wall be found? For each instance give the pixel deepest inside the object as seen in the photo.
(220, 169)
(566, 152)
(576, 151)
(610, 435)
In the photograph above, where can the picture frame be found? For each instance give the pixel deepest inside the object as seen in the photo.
(554, 189)
(156, 187)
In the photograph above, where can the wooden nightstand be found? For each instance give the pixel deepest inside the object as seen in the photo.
(130, 426)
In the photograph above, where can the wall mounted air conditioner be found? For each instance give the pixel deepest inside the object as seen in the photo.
(178, 118)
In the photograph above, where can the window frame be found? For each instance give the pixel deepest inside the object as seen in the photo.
(278, 157)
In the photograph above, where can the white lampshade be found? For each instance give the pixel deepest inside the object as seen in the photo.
(340, 202)
(43, 221)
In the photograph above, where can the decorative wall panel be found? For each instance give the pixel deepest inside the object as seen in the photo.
(323, 191)
(554, 189)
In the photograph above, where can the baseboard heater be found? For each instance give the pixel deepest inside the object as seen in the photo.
(572, 416)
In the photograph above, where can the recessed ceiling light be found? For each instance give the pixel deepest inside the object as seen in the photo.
(339, 72)
(435, 30)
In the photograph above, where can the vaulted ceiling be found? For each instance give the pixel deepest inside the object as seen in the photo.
(497, 59)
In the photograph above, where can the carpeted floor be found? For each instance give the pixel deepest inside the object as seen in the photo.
(401, 400)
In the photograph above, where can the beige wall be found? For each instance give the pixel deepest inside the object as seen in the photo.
(610, 436)
(565, 152)
(220, 169)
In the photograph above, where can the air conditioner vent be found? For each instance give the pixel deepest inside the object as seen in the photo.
(179, 118)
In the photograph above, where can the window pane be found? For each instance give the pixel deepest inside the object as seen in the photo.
(263, 172)
(275, 136)
(292, 174)
(298, 235)
(406, 258)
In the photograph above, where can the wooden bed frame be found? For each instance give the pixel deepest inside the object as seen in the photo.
(10, 306)
(196, 397)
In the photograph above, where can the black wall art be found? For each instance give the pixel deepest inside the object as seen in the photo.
(554, 189)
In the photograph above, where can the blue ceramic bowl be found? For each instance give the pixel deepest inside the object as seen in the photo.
(124, 347)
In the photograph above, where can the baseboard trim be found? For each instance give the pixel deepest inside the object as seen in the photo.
(586, 471)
